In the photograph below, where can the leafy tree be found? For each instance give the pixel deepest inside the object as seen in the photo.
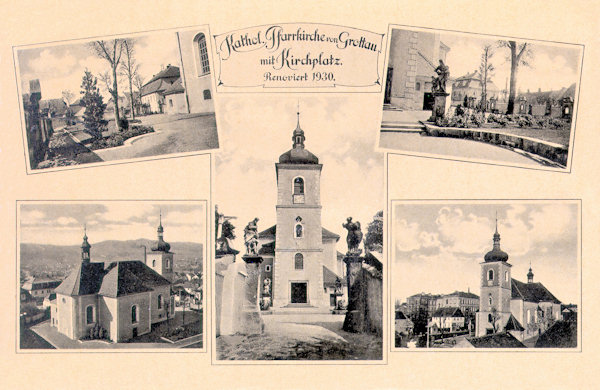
(111, 51)
(129, 69)
(420, 318)
(374, 237)
(93, 117)
(496, 316)
(485, 73)
(520, 54)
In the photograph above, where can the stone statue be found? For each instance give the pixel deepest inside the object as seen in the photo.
(267, 287)
(223, 228)
(251, 237)
(439, 82)
(354, 237)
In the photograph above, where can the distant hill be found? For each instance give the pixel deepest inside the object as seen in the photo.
(41, 255)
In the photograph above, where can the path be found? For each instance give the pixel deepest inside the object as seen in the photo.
(173, 134)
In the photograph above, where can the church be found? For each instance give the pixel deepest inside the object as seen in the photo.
(123, 298)
(302, 269)
(522, 309)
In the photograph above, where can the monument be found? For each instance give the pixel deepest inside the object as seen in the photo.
(252, 321)
(355, 319)
(438, 89)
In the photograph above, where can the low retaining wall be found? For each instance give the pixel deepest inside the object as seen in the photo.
(552, 151)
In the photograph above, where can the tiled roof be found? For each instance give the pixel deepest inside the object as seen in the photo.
(513, 324)
(462, 294)
(169, 72)
(84, 280)
(117, 279)
(497, 340)
(272, 232)
(176, 87)
(532, 292)
(563, 334)
(267, 249)
(448, 312)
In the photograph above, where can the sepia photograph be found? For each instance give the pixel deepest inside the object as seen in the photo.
(111, 275)
(116, 98)
(299, 232)
(481, 98)
(486, 274)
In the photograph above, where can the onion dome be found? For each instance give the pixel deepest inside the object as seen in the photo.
(298, 154)
(496, 254)
(530, 275)
(161, 245)
(85, 245)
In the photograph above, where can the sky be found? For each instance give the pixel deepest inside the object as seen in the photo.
(60, 223)
(553, 66)
(61, 67)
(438, 247)
(340, 131)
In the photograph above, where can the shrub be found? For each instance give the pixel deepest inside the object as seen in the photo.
(123, 124)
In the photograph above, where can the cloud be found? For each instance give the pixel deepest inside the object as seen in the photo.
(32, 217)
(48, 62)
(410, 237)
(66, 221)
(121, 212)
(465, 233)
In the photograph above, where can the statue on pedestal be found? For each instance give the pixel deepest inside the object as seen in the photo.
(439, 82)
(224, 232)
(251, 237)
(354, 237)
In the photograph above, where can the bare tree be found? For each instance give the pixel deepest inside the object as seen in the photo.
(138, 82)
(496, 316)
(520, 54)
(111, 51)
(486, 69)
(68, 96)
(129, 69)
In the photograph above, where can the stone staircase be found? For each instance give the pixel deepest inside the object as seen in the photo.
(402, 127)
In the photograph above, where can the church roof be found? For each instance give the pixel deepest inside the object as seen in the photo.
(532, 292)
(130, 277)
(271, 233)
(298, 156)
(267, 249)
(497, 340)
(448, 312)
(83, 280)
(116, 279)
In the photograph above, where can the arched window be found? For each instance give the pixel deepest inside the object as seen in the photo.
(89, 314)
(490, 318)
(202, 63)
(159, 301)
(298, 230)
(491, 274)
(134, 314)
(298, 190)
(490, 300)
(167, 263)
(506, 276)
(153, 263)
(298, 261)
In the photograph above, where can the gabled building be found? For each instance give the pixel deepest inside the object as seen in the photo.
(300, 258)
(124, 298)
(448, 318)
(469, 86)
(152, 92)
(467, 302)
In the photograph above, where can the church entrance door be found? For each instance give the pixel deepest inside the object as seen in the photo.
(299, 292)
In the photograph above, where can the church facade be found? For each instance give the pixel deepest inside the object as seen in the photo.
(523, 309)
(123, 298)
(301, 267)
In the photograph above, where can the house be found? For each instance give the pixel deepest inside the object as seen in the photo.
(467, 302)
(414, 56)
(527, 308)
(422, 302)
(123, 298)
(152, 92)
(403, 324)
(301, 265)
(469, 88)
(175, 102)
(40, 288)
(448, 318)
(25, 297)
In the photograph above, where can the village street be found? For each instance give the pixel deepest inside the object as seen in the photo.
(173, 134)
(301, 337)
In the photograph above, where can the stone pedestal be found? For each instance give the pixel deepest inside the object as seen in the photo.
(439, 105)
(252, 322)
(355, 316)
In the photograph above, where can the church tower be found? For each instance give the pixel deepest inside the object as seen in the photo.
(160, 258)
(496, 285)
(85, 248)
(530, 275)
(298, 263)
